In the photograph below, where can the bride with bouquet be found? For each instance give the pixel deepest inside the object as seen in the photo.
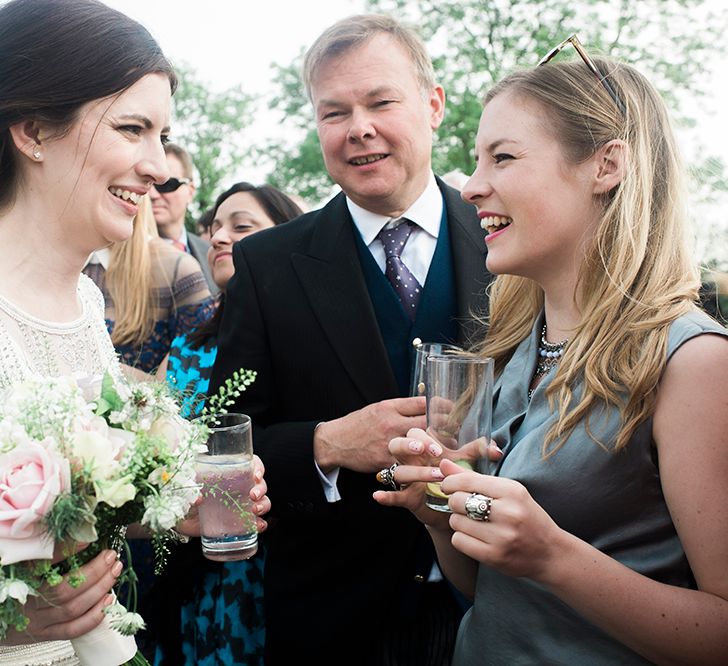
(84, 112)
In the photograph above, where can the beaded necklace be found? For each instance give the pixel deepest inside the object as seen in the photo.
(549, 355)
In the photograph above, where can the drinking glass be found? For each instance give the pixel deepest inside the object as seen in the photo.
(423, 350)
(459, 395)
(227, 522)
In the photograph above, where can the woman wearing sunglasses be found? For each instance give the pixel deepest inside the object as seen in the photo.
(601, 534)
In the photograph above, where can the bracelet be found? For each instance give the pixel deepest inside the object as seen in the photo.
(179, 538)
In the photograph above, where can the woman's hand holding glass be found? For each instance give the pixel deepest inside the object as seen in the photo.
(420, 459)
(518, 538)
(190, 526)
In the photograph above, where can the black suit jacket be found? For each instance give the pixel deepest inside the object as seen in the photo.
(298, 312)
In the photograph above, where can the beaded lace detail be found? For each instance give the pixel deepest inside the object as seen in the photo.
(50, 653)
(28, 346)
(31, 346)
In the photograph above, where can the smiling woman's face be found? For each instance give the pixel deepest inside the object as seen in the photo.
(108, 160)
(240, 215)
(537, 209)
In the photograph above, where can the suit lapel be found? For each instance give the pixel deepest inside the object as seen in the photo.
(469, 252)
(331, 276)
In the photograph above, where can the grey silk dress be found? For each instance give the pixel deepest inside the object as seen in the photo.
(613, 501)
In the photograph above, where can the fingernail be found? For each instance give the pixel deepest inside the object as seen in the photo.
(254, 495)
(493, 445)
(258, 508)
(258, 475)
(435, 450)
(110, 556)
(415, 446)
(262, 525)
(108, 600)
(116, 569)
(437, 474)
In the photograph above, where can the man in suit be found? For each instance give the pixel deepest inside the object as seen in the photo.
(311, 307)
(169, 205)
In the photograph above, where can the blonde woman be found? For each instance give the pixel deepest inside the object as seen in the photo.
(602, 538)
(152, 291)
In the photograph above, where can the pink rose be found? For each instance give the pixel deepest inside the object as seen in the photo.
(31, 477)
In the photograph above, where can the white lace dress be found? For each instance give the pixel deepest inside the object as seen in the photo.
(30, 346)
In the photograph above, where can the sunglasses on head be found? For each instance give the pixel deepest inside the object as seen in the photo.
(172, 185)
(573, 40)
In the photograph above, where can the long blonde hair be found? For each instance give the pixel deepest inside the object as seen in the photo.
(637, 276)
(129, 280)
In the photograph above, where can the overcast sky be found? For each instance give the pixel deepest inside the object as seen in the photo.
(234, 41)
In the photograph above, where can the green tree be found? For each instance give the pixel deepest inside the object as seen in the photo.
(209, 125)
(298, 166)
(476, 42)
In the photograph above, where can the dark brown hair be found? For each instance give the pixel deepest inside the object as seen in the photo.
(280, 208)
(57, 56)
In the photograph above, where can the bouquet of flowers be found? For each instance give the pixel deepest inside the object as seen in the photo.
(81, 459)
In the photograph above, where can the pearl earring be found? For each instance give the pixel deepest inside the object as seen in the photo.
(36, 153)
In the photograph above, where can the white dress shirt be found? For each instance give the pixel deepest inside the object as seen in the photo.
(426, 213)
(417, 255)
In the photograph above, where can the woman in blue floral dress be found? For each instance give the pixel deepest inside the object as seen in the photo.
(152, 291)
(221, 619)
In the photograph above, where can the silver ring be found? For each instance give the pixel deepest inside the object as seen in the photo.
(386, 477)
(477, 507)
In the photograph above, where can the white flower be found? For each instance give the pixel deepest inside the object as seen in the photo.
(11, 588)
(163, 511)
(115, 492)
(124, 621)
(85, 531)
(128, 624)
(172, 428)
(89, 385)
(93, 448)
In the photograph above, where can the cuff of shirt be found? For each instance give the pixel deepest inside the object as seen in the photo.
(329, 480)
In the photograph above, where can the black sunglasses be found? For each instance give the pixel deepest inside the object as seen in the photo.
(172, 185)
(574, 41)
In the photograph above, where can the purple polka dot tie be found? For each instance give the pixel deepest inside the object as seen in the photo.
(404, 283)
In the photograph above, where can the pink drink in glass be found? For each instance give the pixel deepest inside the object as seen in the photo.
(227, 521)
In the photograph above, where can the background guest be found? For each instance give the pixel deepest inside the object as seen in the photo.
(169, 205)
(152, 291)
(222, 604)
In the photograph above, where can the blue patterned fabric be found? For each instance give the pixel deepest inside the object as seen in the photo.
(188, 373)
(224, 623)
(183, 319)
(222, 616)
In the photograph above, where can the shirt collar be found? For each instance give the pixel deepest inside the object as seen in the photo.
(183, 237)
(101, 256)
(426, 212)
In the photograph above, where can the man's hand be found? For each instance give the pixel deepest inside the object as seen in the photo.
(359, 441)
